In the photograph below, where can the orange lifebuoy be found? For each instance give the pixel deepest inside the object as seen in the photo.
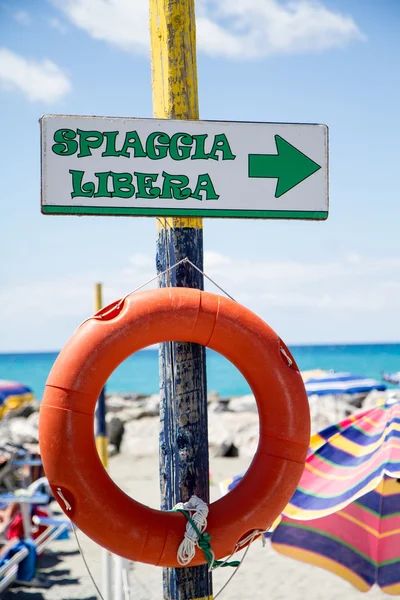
(92, 500)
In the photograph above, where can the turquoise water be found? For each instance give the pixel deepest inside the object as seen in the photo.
(140, 372)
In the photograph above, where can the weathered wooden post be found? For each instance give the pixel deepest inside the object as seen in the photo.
(183, 408)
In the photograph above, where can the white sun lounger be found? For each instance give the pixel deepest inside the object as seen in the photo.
(54, 527)
(8, 572)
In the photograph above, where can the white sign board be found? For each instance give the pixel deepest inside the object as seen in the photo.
(118, 166)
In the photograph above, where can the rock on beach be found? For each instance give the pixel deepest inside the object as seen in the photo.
(133, 421)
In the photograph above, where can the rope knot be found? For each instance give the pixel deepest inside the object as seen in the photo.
(204, 541)
(196, 536)
(196, 513)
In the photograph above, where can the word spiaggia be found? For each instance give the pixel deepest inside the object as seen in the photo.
(156, 146)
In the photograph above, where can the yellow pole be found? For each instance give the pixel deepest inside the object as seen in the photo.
(184, 446)
(173, 53)
(102, 449)
(98, 296)
(101, 430)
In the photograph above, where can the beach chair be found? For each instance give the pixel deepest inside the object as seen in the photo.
(19, 466)
(28, 461)
(19, 556)
(8, 470)
(36, 470)
(17, 563)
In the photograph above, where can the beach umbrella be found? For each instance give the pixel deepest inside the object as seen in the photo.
(333, 384)
(392, 377)
(332, 395)
(345, 461)
(360, 543)
(13, 395)
(348, 491)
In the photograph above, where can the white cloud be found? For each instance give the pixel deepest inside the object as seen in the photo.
(302, 301)
(215, 259)
(142, 261)
(58, 25)
(240, 29)
(38, 80)
(362, 286)
(353, 257)
(22, 17)
(124, 23)
(263, 27)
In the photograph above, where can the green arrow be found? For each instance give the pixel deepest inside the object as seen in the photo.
(289, 166)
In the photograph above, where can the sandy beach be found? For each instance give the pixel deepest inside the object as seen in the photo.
(263, 574)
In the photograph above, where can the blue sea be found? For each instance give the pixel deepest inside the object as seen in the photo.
(139, 373)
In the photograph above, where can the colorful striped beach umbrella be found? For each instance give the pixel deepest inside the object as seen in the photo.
(360, 543)
(345, 461)
(13, 395)
(348, 460)
(345, 512)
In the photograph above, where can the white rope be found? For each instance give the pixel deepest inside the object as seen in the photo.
(286, 355)
(198, 510)
(85, 561)
(158, 276)
(63, 498)
(168, 270)
(69, 507)
(239, 546)
(209, 278)
(247, 541)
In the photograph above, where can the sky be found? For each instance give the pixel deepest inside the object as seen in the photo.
(333, 62)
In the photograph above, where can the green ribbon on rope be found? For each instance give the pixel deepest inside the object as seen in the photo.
(204, 544)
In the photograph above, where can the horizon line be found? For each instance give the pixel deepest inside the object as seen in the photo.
(290, 345)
